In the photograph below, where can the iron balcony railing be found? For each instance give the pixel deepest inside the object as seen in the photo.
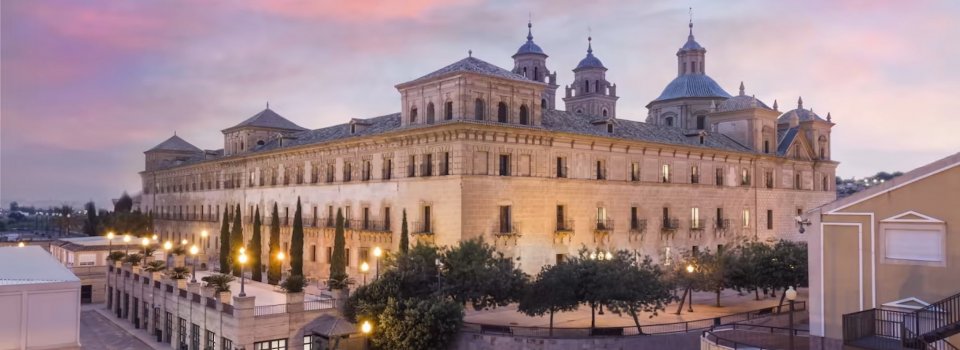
(369, 225)
(721, 224)
(506, 228)
(863, 328)
(669, 224)
(697, 224)
(638, 225)
(564, 226)
(422, 227)
(938, 320)
(605, 224)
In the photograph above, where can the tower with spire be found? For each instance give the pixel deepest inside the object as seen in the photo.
(531, 62)
(686, 101)
(591, 94)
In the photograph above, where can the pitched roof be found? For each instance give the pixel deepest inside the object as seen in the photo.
(471, 65)
(332, 326)
(176, 144)
(31, 265)
(909, 177)
(267, 118)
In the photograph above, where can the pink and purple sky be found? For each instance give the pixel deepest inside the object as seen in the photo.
(87, 86)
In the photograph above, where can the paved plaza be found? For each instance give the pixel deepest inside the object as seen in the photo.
(99, 332)
(703, 308)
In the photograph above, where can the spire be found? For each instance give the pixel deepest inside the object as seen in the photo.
(470, 53)
(530, 29)
(691, 22)
(590, 44)
(268, 104)
(829, 118)
(741, 88)
(800, 102)
(775, 106)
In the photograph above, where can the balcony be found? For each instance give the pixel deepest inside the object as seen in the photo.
(603, 225)
(328, 222)
(638, 226)
(721, 224)
(669, 224)
(697, 224)
(422, 228)
(370, 225)
(506, 229)
(564, 226)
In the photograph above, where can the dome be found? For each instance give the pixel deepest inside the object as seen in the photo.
(692, 85)
(801, 114)
(529, 47)
(691, 45)
(741, 101)
(590, 61)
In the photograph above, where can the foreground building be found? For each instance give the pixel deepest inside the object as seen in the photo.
(481, 151)
(86, 257)
(40, 301)
(884, 262)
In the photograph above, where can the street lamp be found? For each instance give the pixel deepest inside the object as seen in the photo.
(154, 237)
(183, 241)
(364, 268)
(166, 251)
(110, 236)
(377, 252)
(242, 259)
(366, 328)
(126, 243)
(791, 296)
(145, 242)
(21, 244)
(203, 238)
(193, 251)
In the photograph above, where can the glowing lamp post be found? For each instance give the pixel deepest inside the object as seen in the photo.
(364, 269)
(792, 297)
(242, 259)
(377, 253)
(126, 244)
(110, 236)
(193, 251)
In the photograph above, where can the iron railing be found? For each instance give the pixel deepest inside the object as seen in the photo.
(564, 226)
(506, 228)
(665, 328)
(422, 227)
(319, 304)
(697, 224)
(605, 224)
(638, 225)
(938, 320)
(757, 337)
(269, 309)
(721, 224)
(669, 224)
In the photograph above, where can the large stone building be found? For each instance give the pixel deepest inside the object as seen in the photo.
(481, 151)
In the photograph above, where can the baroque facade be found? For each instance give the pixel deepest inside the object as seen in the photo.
(481, 151)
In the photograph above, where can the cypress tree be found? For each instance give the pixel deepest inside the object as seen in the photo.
(236, 240)
(92, 226)
(225, 241)
(296, 243)
(338, 263)
(273, 271)
(255, 247)
(404, 235)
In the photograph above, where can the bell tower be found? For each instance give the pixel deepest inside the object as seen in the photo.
(591, 94)
(530, 61)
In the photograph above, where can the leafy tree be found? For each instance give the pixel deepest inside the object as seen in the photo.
(747, 271)
(14, 206)
(296, 243)
(91, 226)
(236, 240)
(256, 251)
(712, 272)
(338, 262)
(411, 275)
(788, 265)
(639, 286)
(116, 256)
(404, 234)
(595, 281)
(475, 272)
(134, 222)
(554, 290)
(273, 270)
(124, 204)
(430, 323)
(225, 241)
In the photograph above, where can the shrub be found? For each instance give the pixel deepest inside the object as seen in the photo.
(178, 273)
(133, 259)
(116, 256)
(220, 281)
(294, 284)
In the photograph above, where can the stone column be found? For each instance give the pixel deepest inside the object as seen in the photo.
(243, 313)
(296, 318)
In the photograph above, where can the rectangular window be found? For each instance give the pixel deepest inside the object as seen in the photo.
(505, 219)
(602, 223)
(445, 165)
(313, 253)
(768, 178)
(746, 218)
(769, 219)
(277, 344)
(308, 342)
(427, 165)
(694, 174)
(719, 179)
(195, 336)
(601, 170)
(286, 215)
(635, 171)
(766, 146)
(364, 254)
(561, 167)
(329, 255)
(347, 171)
(667, 257)
(560, 218)
(210, 341)
(387, 169)
(411, 166)
(695, 250)
(168, 329)
(695, 218)
(665, 173)
(426, 219)
(182, 332)
(386, 218)
(504, 165)
(226, 344)
(346, 253)
(634, 219)
(796, 181)
(365, 171)
(744, 177)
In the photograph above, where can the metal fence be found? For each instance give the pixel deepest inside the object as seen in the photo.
(664, 328)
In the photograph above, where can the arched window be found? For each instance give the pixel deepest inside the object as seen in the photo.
(524, 115)
(579, 111)
(543, 103)
(701, 122)
(668, 121)
(502, 112)
(525, 72)
(430, 113)
(609, 127)
(604, 113)
(241, 145)
(822, 143)
(478, 109)
(586, 86)
(596, 86)
(448, 110)
(260, 143)
(536, 73)
(413, 114)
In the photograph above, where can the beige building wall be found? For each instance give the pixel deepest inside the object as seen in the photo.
(884, 245)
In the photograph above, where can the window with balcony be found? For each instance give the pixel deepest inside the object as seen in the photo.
(427, 219)
(504, 165)
(635, 171)
(506, 220)
(386, 218)
(746, 218)
(603, 223)
(744, 177)
(695, 222)
(562, 223)
(665, 173)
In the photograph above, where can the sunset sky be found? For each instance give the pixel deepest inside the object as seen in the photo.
(87, 86)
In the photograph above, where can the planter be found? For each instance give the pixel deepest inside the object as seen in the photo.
(178, 260)
(118, 264)
(340, 297)
(136, 269)
(155, 276)
(295, 298)
(224, 297)
(182, 283)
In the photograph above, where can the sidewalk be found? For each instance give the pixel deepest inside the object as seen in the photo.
(127, 327)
